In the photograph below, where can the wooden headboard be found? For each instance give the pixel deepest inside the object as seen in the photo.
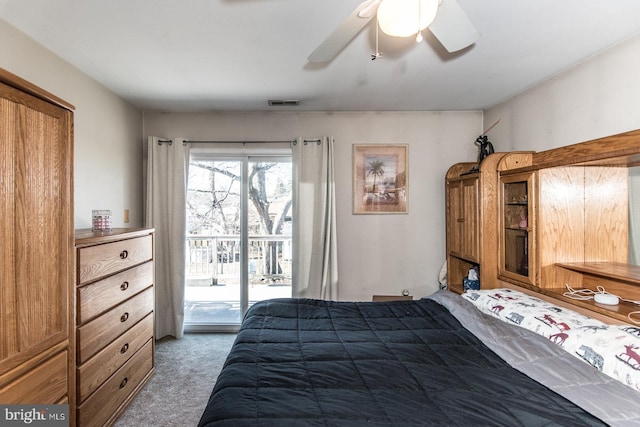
(607, 314)
(578, 224)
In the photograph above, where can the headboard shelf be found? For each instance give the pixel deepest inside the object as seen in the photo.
(622, 280)
(618, 312)
(627, 273)
(612, 314)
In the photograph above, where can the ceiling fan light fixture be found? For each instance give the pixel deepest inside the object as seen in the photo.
(404, 18)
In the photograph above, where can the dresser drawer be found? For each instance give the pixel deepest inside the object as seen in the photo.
(102, 295)
(98, 261)
(98, 408)
(47, 383)
(92, 374)
(98, 333)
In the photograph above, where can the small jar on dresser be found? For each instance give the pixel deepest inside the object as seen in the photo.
(114, 321)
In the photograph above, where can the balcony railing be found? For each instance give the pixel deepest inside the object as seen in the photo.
(214, 259)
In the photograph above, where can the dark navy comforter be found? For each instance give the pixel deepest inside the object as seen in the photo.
(302, 362)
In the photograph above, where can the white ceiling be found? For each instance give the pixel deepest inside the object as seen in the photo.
(203, 55)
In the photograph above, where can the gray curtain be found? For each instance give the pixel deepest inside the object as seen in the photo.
(166, 188)
(315, 269)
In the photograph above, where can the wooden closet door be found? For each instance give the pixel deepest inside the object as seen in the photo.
(8, 318)
(36, 231)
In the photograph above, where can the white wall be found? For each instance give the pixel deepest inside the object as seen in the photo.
(596, 98)
(378, 254)
(107, 130)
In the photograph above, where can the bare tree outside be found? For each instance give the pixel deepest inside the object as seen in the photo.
(262, 196)
(213, 206)
(213, 188)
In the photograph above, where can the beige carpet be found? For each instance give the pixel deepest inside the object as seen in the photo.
(186, 370)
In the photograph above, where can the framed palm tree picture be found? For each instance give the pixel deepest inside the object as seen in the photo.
(380, 178)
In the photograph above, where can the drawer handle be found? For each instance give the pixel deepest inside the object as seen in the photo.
(124, 317)
(124, 383)
(124, 348)
(124, 286)
(124, 254)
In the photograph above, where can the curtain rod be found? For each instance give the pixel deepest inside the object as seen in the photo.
(292, 141)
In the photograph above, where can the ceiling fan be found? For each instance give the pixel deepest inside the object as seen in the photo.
(444, 18)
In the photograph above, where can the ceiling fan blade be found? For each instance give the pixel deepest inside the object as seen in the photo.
(347, 30)
(452, 27)
(369, 9)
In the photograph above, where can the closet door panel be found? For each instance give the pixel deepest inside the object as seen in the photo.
(8, 323)
(41, 224)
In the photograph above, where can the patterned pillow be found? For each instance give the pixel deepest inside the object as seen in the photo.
(530, 312)
(612, 349)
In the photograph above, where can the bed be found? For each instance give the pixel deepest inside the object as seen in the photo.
(441, 360)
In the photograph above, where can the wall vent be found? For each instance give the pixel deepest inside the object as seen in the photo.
(283, 102)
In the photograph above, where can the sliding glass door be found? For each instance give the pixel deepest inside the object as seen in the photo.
(238, 236)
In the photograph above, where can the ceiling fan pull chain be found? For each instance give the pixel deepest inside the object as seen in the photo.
(378, 54)
(419, 33)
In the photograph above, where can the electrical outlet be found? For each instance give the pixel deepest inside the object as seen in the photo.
(126, 216)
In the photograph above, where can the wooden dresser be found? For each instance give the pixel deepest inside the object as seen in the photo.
(114, 320)
(36, 243)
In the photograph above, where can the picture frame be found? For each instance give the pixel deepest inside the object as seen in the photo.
(380, 178)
